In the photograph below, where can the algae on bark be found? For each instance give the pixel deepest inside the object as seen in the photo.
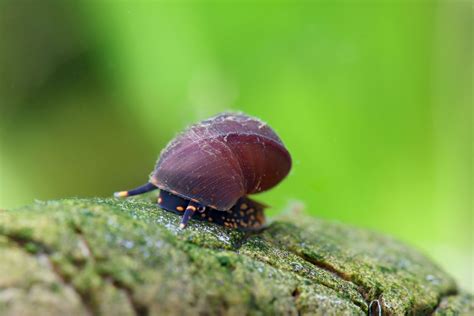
(127, 257)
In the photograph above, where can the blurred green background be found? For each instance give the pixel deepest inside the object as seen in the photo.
(374, 101)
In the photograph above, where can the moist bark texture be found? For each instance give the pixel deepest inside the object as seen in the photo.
(127, 257)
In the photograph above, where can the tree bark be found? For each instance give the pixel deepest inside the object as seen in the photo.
(127, 257)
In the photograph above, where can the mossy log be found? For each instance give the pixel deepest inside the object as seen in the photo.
(127, 257)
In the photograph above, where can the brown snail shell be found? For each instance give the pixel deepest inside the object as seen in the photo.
(221, 159)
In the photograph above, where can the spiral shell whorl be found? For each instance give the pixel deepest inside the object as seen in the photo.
(221, 159)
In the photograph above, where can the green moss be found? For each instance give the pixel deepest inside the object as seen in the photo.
(461, 304)
(127, 256)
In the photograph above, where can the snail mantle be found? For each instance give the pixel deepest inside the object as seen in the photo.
(111, 257)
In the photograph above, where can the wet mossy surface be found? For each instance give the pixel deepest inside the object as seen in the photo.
(127, 257)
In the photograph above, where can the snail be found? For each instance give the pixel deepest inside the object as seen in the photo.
(207, 171)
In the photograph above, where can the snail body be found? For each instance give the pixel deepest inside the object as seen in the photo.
(208, 170)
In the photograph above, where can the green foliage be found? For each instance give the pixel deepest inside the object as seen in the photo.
(372, 100)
